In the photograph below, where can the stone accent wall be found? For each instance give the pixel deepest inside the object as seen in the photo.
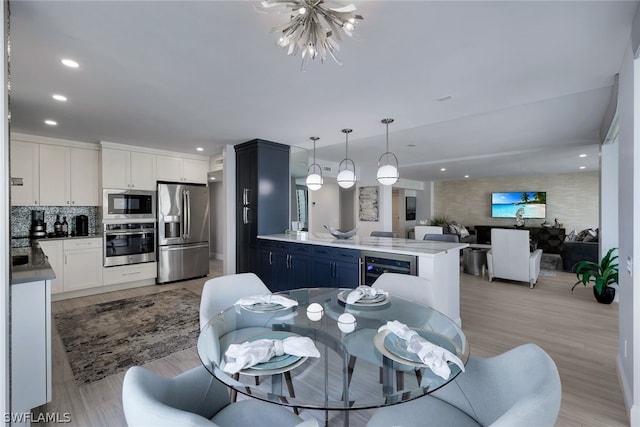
(572, 198)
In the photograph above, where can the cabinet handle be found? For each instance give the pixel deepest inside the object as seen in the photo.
(360, 271)
(65, 258)
(270, 258)
(130, 274)
(333, 269)
(68, 202)
(288, 262)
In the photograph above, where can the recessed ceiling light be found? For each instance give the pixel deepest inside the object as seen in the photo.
(411, 145)
(582, 155)
(51, 122)
(443, 169)
(466, 176)
(59, 97)
(445, 98)
(583, 167)
(213, 178)
(69, 63)
(199, 149)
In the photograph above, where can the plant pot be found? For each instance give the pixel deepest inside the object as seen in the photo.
(607, 295)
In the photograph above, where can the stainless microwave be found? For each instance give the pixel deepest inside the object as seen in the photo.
(128, 204)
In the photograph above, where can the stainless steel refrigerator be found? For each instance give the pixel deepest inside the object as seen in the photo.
(183, 231)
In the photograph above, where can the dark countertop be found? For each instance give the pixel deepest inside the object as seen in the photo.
(35, 268)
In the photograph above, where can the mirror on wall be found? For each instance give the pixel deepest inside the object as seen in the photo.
(299, 159)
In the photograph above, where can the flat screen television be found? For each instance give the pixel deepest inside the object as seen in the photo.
(506, 205)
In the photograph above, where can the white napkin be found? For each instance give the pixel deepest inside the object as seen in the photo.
(266, 299)
(250, 353)
(363, 291)
(432, 355)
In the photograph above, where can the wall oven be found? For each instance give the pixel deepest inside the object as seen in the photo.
(129, 243)
(128, 205)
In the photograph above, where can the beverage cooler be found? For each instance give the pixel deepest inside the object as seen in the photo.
(376, 263)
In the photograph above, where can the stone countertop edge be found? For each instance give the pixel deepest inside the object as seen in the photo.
(378, 244)
(89, 236)
(35, 270)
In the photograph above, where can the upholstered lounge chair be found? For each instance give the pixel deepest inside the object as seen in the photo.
(510, 256)
(194, 398)
(453, 238)
(518, 388)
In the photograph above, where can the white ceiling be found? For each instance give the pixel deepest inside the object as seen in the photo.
(529, 81)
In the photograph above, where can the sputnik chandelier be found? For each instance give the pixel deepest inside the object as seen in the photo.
(314, 28)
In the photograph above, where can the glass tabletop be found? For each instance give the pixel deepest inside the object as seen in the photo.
(331, 381)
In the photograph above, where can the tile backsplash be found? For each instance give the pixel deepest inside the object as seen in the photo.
(21, 218)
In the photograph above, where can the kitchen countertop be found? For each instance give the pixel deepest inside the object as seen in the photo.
(25, 241)
(35, 269)
(379, 244)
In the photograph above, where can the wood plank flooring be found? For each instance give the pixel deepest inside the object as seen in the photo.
(579, 334)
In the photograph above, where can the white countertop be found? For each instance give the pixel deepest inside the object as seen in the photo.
(379, 244)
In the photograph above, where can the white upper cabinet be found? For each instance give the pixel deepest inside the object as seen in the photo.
(53, 175)
(128, 169)
(182, 169)
(25, 174)
(84, 177)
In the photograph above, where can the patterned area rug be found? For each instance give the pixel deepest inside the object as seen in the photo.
(104, 339)
(549, 264)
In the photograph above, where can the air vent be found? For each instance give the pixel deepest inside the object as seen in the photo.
(327, 168)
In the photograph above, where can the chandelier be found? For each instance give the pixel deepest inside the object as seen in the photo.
(314, 28)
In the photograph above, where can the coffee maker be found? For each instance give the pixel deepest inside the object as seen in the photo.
(82, 225)
(38, 226)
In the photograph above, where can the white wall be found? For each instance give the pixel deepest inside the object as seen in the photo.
(628, 217)
(229, 218)
(4, 230)
(608, 197)
(216, 219)
(324, 206)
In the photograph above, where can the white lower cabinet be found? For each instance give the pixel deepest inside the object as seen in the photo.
(82, 263)
(78, 265)
(30, 345)
(55, 255)
(129, 273)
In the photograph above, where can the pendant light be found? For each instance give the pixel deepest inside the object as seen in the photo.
(346, 168)
(314, 173)
(387, 163)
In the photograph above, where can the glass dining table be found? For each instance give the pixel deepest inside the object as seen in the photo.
(358, 367)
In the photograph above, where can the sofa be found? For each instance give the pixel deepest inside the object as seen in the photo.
(573, 252)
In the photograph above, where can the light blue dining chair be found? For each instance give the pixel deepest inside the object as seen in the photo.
(222, 292)
(520, 387)
(413, 288)
(453, 238)
(383, 234)
(195, 398)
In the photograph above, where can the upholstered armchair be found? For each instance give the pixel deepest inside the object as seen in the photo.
(510, 258)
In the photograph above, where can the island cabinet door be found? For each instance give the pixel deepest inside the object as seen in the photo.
(347, 275)
(321, 272)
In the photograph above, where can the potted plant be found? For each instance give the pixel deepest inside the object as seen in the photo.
(601, 274)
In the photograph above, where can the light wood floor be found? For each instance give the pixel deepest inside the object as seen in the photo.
(579, 334)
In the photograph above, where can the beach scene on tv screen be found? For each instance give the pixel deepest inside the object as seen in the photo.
(505, 205)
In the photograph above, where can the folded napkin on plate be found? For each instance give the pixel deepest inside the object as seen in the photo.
(267, 299)
(250, 353)
(363, 291)
(432, 355)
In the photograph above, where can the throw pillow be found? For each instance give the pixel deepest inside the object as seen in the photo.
(454, 229)
(582, 235)
(571, 237)
(464, 232)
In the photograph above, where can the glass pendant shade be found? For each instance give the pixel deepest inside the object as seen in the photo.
(347, 168)
(314, 179)
(387, 174)
(346, 178)
(387, 163)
